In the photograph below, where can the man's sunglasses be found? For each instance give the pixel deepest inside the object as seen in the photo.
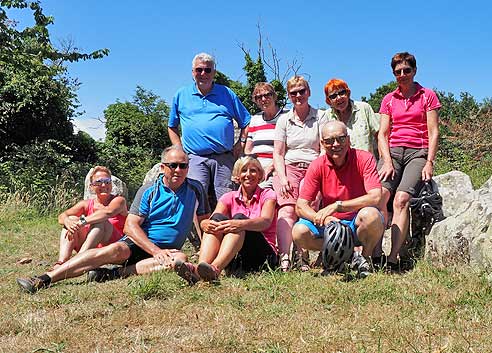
(331, 140)
(201, 69)
(174, 165)
(402, 72)
(101, 181)
(301, 92)
(341, 93)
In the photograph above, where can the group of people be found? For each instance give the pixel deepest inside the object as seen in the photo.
(290, 176)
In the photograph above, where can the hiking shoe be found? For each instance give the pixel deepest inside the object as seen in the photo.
(186, 271)
(360, 264)
(31, 284)
(102, 274)
(208, 272)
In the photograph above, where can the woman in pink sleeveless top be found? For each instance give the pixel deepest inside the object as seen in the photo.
(95, 222)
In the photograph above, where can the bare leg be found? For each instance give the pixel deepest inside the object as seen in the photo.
(67, 246)
(304, 238)
(383, 207)
(98, 233)
(285, 221)
(370, 229)
(230, 246)
(115, 253)
(399, 227)
(210, 247)
(152, 265)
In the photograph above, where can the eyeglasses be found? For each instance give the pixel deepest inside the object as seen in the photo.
(101, 181)
(199, 70)
(331, 140)
(402, 72)
(266, 95)
(301, 92)
(175, 165)
(341, 93)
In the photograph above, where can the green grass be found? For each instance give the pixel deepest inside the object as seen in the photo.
(431, 309)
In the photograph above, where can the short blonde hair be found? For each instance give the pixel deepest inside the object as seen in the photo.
(297, 81)
(243, 162)
(99, 168)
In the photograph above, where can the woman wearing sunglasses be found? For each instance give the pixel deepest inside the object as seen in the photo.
(240, 234)
(262, 128)
(296, 145)
(408, 141)
(94, 222)
(362, 124)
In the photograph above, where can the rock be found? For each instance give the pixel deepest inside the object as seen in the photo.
(24, 260)
(456, 190)
(465, 236)
(152, 174)
(119, 187)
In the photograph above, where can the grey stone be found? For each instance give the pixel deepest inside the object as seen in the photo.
(456, 190)
(119, 187)
(152, 174)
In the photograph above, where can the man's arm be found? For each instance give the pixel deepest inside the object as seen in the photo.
(135, 232)
(173, 133)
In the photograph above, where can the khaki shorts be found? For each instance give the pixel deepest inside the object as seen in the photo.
(408, 164)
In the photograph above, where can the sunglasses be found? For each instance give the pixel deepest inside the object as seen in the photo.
(101, 181)
(402, 72)
(175, 165)
(331, 140)
(201, 69)
(301, 92)
(341, 93)
(260, 96)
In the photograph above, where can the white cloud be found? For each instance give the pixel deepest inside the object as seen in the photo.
(92, 126)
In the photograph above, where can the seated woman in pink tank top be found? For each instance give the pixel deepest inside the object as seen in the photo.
(95, 222)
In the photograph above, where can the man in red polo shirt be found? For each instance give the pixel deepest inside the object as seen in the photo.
(349, 184)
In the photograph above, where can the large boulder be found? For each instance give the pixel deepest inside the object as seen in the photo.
(152, 174)
(465, 236)
(119, 187)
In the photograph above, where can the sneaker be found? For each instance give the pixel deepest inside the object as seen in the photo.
(360, 264)
(186, 271)
(32, 284)
(102, 274)
(208, 272)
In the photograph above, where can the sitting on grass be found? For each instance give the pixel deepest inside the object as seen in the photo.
(160, 218)
(94, 222)
(241, 231)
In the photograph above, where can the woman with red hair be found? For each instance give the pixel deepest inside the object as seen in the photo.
(362, 123)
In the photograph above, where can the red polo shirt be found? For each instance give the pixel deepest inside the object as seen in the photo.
(354, 179)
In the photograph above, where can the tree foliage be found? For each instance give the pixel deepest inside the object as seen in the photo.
(37, 98)
(376, 98)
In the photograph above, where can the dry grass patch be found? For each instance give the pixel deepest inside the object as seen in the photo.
(430, 309)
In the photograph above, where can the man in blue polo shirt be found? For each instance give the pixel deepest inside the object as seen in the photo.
(206, 110)
(156, 228)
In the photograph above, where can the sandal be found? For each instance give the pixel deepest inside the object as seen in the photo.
(285, 264)
(208, 272)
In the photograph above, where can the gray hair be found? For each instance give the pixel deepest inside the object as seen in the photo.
(167, 150)
(203, 57)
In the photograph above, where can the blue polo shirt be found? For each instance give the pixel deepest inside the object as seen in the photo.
(168, 214)
(206, 121)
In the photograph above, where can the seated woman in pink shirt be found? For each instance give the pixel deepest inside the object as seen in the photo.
(241, 229)
(408, 139)
(95, 222)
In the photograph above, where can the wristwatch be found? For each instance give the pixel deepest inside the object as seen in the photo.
(242, 139)
(339, 205)
(82, 220)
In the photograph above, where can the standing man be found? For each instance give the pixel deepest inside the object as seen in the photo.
(160, 218)
(205, 110)
(349, 184)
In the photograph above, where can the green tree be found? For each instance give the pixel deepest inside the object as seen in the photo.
(37, 98)
(376, 98)
(136, 134)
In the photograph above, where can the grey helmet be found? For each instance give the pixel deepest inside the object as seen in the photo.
(338, 245)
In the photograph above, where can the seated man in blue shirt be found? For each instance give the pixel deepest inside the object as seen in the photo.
(206, 110)
(160, 218)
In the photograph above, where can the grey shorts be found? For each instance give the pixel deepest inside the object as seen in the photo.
(408, 164)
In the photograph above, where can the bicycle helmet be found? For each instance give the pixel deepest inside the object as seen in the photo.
(338, 245)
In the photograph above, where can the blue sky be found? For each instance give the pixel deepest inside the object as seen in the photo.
(152, 43)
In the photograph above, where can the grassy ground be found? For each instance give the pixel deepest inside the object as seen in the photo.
(427, 310)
